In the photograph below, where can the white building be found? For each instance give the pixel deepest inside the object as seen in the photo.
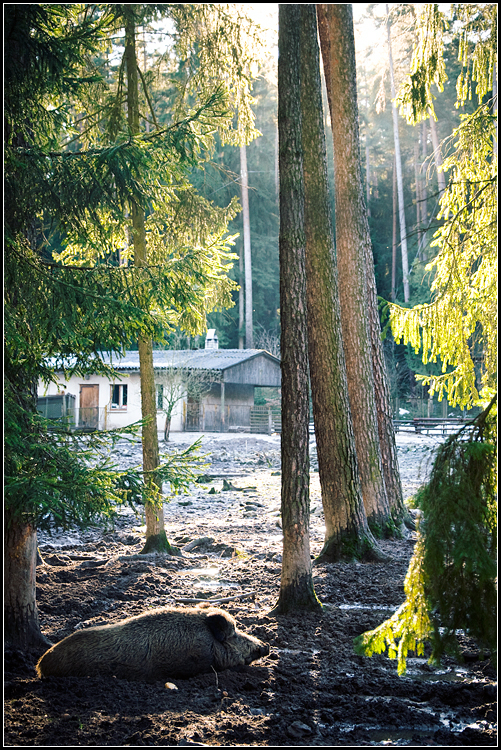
(225, 402)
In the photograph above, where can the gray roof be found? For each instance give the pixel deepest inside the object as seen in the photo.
(195, 359)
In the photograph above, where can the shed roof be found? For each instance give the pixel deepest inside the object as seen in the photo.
(262, 367)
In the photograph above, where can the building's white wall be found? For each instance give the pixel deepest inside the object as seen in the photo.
(113, 418)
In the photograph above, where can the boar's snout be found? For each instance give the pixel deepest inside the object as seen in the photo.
(261, 649)
(232, 647)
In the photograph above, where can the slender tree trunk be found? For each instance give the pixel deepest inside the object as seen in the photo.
(296, 585)
(155, 532)
(347, 532)
(367, 162)
(353, 253)
(400, 184)
(437, 156)
(394, 236)
(241, 299)
(424, 196)
(249, 338)
(21, 623)
(418, 195)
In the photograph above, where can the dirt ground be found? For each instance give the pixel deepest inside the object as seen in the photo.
(311, 690)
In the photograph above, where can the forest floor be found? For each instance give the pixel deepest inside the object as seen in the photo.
(311, 690)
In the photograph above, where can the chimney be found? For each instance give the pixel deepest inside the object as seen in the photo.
(211, 342)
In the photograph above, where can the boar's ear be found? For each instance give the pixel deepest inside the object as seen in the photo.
(220, 627)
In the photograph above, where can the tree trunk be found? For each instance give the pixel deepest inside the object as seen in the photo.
(394, 237)
(296, 585)
(437, 156)
(418, 195)
(424, 196)
(400, 185)
(241, 299)
(21, 623)
(353, 252)
(167, 429)
(367, 175)
(386, 430)
(155, 533)
(347, 533)
(249, 338)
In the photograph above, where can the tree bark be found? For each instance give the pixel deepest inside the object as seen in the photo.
(296, 585)
(347, 533)
(400, 185)
(156, 538)
(353, 252)
(21, 623)
(249, 337)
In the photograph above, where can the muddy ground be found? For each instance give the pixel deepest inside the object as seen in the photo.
(311, 690)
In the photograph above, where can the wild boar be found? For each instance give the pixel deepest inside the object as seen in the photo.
(162, 643)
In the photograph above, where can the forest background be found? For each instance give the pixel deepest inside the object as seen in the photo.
(220, 181)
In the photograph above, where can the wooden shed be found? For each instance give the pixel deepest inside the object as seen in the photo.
(225, 402)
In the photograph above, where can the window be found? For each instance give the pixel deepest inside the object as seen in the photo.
(160, 396)
(119, 397)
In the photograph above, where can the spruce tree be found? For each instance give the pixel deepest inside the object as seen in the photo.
(63, 310)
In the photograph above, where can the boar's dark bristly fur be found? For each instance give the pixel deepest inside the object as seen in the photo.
(162, 643)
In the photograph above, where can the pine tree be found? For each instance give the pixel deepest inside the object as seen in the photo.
(296, 585)
(353, 251)
(347, 533)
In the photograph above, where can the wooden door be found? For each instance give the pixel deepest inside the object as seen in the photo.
(89, 407)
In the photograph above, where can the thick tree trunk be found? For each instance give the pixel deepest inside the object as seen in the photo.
(21, 623)
(353, 252)
(347, 533)
(296, 586)
(386, 430)
(249, 337)
(400, 184)
(155, 533)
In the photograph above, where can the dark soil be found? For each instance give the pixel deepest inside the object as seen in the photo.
(311, 690)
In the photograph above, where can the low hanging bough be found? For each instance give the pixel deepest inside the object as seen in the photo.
(451, 580)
